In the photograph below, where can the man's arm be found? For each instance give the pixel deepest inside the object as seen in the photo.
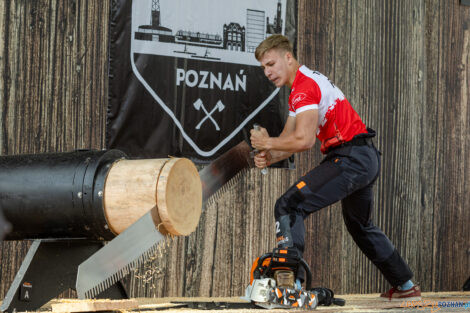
(266, 158)
(298, 135)
(274, 156)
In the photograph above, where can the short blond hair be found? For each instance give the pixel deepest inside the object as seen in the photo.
(276, 41)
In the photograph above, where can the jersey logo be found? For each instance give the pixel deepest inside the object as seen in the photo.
(297, 98)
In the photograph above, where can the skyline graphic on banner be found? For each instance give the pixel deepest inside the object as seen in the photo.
(204, 87)
(180, 28)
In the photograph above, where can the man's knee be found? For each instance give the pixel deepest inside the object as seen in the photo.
(288, 202)
(354, 226)
(351, 224)
(280, 208)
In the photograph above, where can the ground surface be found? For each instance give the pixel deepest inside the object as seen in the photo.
(359, 303)
(432, 302)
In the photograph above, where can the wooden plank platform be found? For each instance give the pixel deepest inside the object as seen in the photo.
(73, 305)
(431, 303)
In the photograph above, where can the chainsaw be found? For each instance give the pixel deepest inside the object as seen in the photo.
(273, 283)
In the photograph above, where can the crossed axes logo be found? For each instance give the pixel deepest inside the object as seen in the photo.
(198, 105)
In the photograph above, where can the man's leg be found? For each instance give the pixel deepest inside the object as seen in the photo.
(357, 210)
(322, 186)
(350, 169)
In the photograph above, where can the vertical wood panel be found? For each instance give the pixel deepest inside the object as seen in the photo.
(428, 152)
(452, 193)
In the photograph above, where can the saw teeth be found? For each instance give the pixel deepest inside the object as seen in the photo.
(120, 274)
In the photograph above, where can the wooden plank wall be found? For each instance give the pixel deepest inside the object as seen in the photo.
(53, 85)
(404, 65)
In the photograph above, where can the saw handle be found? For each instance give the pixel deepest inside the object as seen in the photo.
(264, 171)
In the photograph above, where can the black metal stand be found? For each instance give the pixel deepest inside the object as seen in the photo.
(4, 226)
(50, 268)
(466, 286)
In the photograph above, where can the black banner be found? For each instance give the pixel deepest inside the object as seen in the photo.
(183, 79)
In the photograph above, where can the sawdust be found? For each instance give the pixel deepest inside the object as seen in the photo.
(150, 270)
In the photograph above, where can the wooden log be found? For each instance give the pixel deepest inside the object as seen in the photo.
(179, 196)
(171, 188)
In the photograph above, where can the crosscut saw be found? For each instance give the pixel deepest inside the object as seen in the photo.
(140, 240)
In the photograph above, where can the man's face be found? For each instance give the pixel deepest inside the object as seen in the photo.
(275, 65)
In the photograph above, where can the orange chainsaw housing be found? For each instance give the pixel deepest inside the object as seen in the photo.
(265, 265)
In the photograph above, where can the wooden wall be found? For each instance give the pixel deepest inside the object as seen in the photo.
(404, 65)
(53, 85)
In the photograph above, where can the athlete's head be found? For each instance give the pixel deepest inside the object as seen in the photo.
(277, 59)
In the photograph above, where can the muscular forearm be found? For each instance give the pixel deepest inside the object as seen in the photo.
(290, 143)
(277, 156)
(298, 135)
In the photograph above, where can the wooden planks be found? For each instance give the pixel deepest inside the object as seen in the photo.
(387, 61)
(444, 301)
(404, 66)
(452, 172)
(94, 305)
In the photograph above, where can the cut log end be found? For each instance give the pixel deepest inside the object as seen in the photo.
(179, 196)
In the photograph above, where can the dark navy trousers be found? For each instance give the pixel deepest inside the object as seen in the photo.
(347, 174)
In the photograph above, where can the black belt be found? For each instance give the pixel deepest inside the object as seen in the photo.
(358, 141)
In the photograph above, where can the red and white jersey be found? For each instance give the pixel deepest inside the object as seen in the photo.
(337, 120)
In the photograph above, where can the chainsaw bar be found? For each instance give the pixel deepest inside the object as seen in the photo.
(215, 305)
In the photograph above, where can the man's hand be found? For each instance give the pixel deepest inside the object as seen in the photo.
(259, 139)
(263, 159)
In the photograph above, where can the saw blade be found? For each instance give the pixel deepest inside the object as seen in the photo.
(224, 168)
(117, 259)
(139, 241)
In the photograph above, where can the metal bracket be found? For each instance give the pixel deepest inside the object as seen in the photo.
(50, 268)
(466, 285)
(4, 226)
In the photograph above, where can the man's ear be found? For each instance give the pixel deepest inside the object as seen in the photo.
(289, 57)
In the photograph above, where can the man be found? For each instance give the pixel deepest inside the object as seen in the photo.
(348, 172)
